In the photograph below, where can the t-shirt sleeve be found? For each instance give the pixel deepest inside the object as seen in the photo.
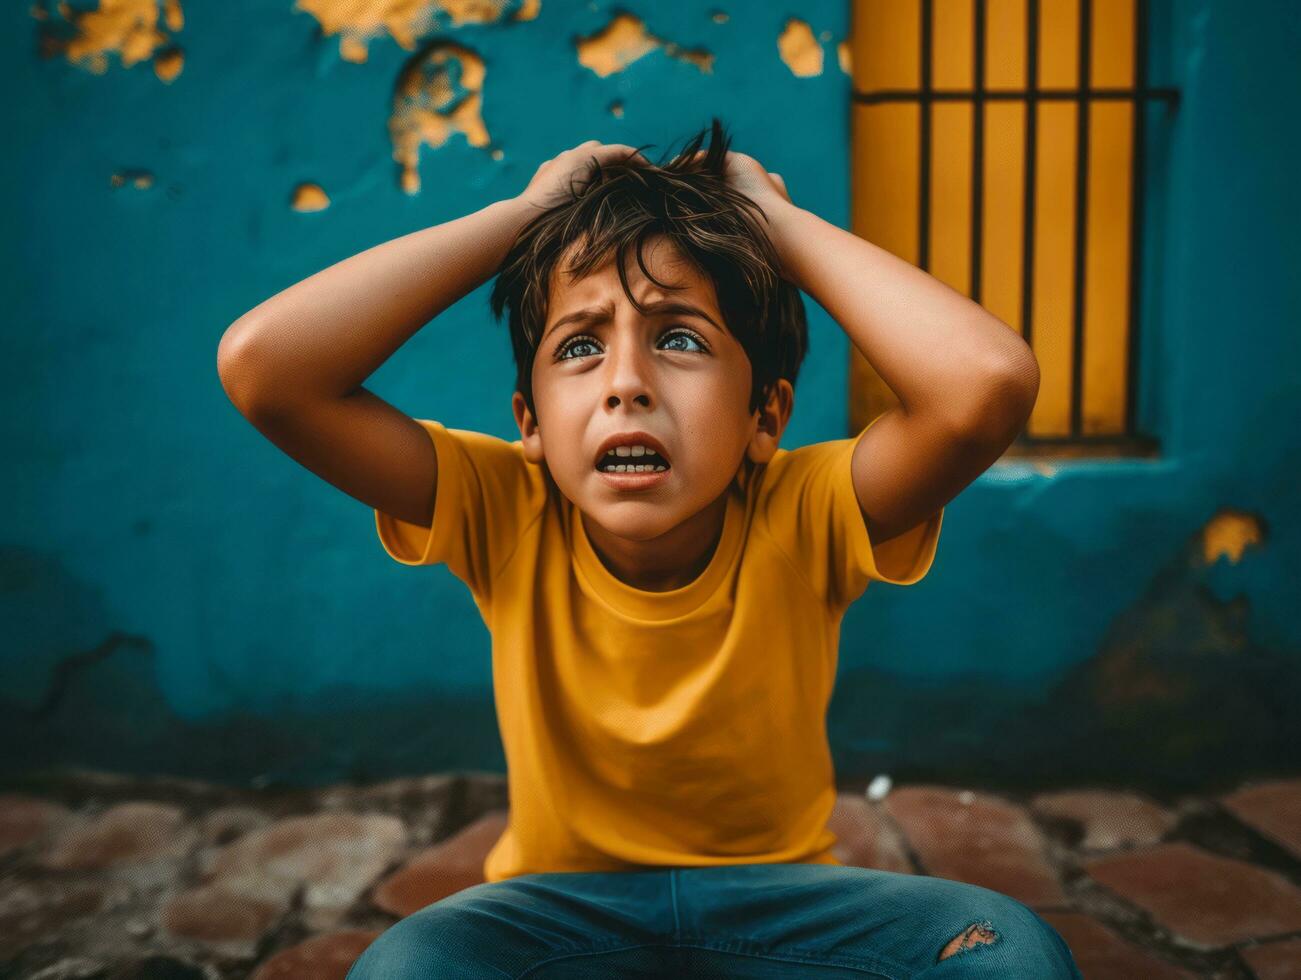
(487, 494)
(811, 510)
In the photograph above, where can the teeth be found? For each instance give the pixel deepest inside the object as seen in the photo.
(624, 468)
(629, 451)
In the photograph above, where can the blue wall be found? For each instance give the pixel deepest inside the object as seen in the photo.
(181, 597)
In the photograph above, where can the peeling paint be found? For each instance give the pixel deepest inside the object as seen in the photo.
(128, 28)
(358, 22)
(168, 64)
(309, 197)
(139, 179)
(719, 16)
(1229, 533)
(845, 58)
(625, 40)
(616, 109)
(427, 107)
(799, 49)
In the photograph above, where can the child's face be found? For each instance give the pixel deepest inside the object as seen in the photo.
(642, 373)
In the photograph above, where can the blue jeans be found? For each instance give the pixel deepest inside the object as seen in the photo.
(744, 920)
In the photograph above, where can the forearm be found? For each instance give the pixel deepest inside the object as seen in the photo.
(940, 352)
(324, 335)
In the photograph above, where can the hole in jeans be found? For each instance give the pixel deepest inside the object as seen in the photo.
(977, 932)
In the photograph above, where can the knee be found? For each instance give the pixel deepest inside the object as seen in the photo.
(1019, 934)
(977, 932)
(405, 951)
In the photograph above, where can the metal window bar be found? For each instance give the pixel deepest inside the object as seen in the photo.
(1130, 440)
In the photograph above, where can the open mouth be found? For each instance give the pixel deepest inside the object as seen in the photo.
(648, 462)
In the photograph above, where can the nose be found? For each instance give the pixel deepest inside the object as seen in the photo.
(628, 377)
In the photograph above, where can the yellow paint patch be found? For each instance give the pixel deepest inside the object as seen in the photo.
(1229, 533)
(800, 49)
(141, 180)
(358, 22)
(310, 197)
(428, 110)
(625, 40)
(845, 58)
(168, 64)
(128, 28)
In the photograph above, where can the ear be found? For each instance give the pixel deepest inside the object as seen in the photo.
(530, 433)
(771, 419)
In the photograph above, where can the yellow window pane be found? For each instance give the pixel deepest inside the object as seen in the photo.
(1059, 43)
(1106, 269)
(952, 45)
(1003, 207)
(1005, 44)
(1052, 313)
(887, 169)
(1111, 57)
(950, 217)
(887, 44)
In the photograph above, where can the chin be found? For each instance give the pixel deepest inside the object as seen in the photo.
(635, 520)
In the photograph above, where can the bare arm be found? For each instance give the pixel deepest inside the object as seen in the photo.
(940, 352)
(294, 364)
(966, 382)
(322, 337)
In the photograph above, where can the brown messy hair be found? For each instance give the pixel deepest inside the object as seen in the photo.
(619, 205)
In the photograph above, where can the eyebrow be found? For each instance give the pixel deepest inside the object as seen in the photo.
(600, 314)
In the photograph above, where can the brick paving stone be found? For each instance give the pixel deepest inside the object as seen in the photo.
(335, 856)
(1101, 954)
(33, 910)
(128, 833)
(225, 824)
(1206, 900)
(326, 957)
(1274, 961)
(231, 923)
(441, 870)
(26, 819)
(71, 968)
(976, 838)
(864, 836)
(1108, 819)
(1273, 809)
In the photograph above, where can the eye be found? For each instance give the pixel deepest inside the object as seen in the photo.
(680, 332)
(586, 340)
(582, 340)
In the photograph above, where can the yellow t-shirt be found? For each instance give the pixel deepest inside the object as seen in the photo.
(659, 729)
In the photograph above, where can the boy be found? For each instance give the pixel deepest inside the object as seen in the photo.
(663, 584)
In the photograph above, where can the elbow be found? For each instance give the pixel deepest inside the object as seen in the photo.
(235, 367)
(1004, 401)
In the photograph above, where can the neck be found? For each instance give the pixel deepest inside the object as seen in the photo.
(674, 559)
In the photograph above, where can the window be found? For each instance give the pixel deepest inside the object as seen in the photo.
(995, 144)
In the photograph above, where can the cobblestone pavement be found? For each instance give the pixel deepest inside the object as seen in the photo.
(111, 877)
